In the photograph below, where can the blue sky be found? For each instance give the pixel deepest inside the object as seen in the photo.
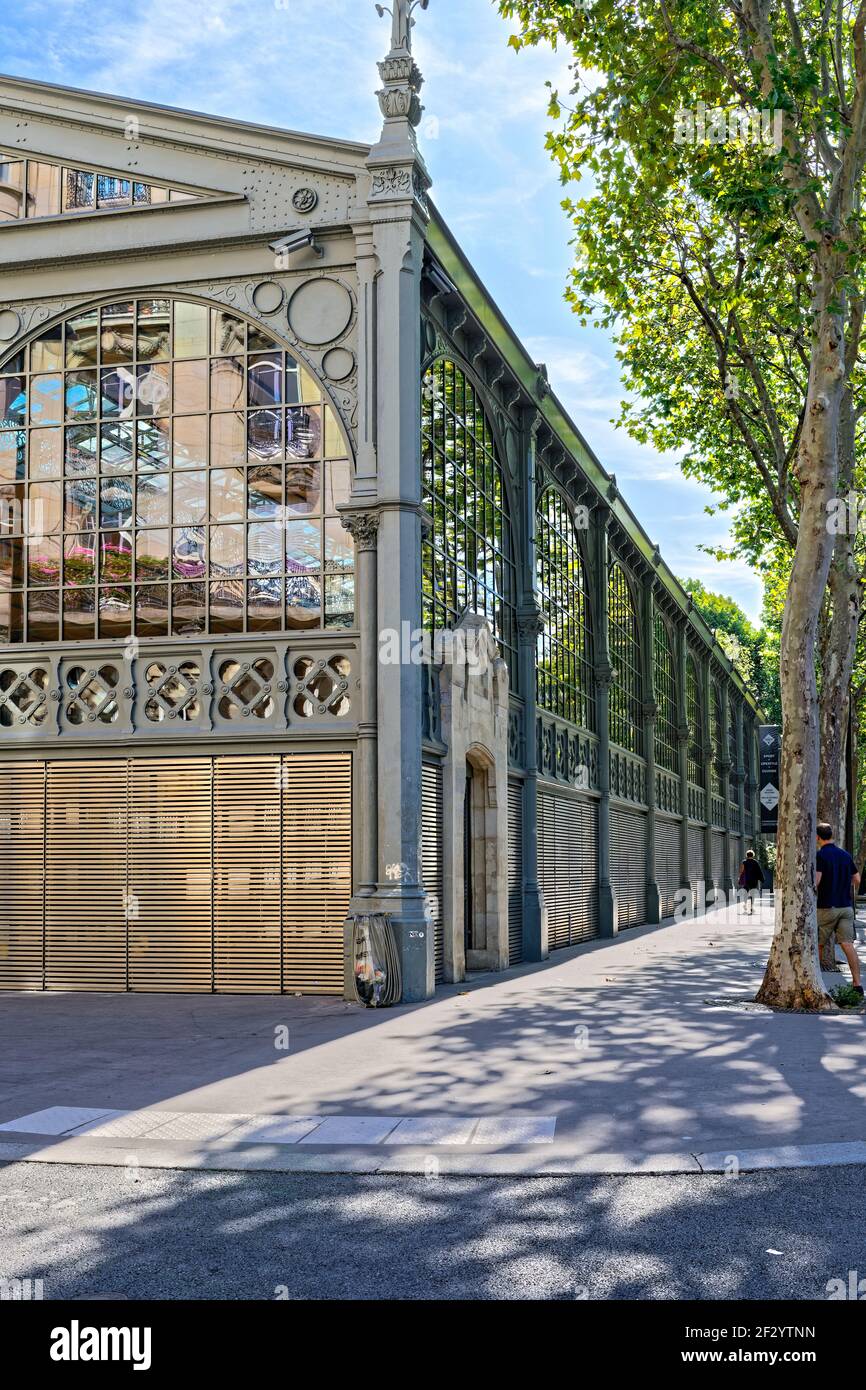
(310, 65)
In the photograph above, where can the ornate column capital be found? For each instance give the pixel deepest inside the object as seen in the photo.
(363, 527)
(530, 624)
(604, 675)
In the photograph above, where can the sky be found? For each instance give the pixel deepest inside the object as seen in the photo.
(310, 65)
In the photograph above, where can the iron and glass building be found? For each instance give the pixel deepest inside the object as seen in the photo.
(261, 426)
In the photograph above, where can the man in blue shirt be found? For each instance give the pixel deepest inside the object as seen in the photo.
(837, 880)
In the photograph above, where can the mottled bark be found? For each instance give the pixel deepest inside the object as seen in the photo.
(792, 979)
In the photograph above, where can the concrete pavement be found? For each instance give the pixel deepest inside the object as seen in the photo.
(615, 1042)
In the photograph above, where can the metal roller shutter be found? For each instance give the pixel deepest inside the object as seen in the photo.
(628, 865)
(85, 875)
(515, 873)
(696, 854)
(431, 857)
(737, 857)
(667, 863)
(568, 868)
(170, 875)
(22, 852)
(317, 869)
(719, 873)
(247, 850)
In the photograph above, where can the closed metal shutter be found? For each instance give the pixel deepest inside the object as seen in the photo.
(515, 873)
(247, 852)
(628, 865)
(667, 863)
(737, 857)
(696, 854)
(22, 853)
(431, 858)
(170, 875)
(568, 868)
(176, 874)
(317, 869)
(85, 875)
(718, 858)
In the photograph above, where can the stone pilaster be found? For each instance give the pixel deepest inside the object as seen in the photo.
(650, 715)
(608, 923)
(530, 625)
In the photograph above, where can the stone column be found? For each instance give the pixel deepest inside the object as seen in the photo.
(363, 527)
(650, 714)
(530, 625)
(607, 906)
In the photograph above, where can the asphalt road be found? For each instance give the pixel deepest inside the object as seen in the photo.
(154, 1234)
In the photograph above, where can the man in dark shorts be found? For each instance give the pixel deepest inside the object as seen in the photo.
(837, 881)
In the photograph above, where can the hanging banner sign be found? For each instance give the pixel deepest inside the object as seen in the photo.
(770, 740)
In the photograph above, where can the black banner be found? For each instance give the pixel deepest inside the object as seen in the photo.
(770, 739)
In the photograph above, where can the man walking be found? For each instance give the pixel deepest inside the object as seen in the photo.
(751, 878)
(837, 881)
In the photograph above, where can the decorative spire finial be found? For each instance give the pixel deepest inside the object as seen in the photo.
(402, 22)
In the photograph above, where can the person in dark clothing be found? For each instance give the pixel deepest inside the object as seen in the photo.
(752, 879)
(837, 880)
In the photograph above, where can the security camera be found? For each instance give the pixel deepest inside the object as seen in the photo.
(296, 241)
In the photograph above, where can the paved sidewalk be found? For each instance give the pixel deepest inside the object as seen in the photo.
(608, 1059)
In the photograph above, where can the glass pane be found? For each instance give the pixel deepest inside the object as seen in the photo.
(311, 393)
(46, 400)
(227, 550)
(154, 448)
(339, 478)
(115, 502)
(82, 340)
(43, 189)
(154, 389)
(117, 337)
(188, 553)
(265, 605)
(12, 454)
(82, 395)
(265, 434)
(44, 509)
(11, 189)
(11, 564)
(187, 609)
(190, 387)
(112, 192)
(46, 353)
(334, 442)
(13, 400)
(11, 616)
(303, 602)
(228, 489)
(115, 563)
(190, 441)
(303, 488)
(339, 547)
(43, 562)
(227, 383)
(115, 612)
(117, 392)
(79, 560)
(152, 500)
(80, 190)
(190, 497)
(227, 440)
(265, 379)
(227, 606)
(228, 332)
(81, 449)
(265, 553)
(190, 330)
(303, 432)
(151, 610)
(43, 616)
(154, 330)
(80, 505)
(151, 555)
(339, 601)
(117, 450)
(303, 547)
(264, 492)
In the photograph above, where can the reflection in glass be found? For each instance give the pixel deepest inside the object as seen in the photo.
(82, 340)
(80, 505)
(265, 548)
(151, 610)
(82, 395)
(79, 560)
(152, 500)
(151, 555)
(46, 400)
(46, 352)
(303, 602)
(303, 432)
(11, 616)
(226, 383)
(339, 547)
(80, 190)
(115, 556)
(265, 605)
(43, 562)
(79, 614)
(264, 491)
(227, 606)
(188, 553)
(153, 390)
(13, 454)
(227, 440)
(187, 609)
(81, 449)
(303, 488)
(43, 616)
(227, 550)
(303, 547)
(265, 434)
(190, 441)
(44, 508)
(190, 498)
(190, 387)
(115, 612)
(115, 499)
(339, 601)
(153, 444)
(117, 447)
(190, 329)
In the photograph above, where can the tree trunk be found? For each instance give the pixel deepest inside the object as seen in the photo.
(792, 979)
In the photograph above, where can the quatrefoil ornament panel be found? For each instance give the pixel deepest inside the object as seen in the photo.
(173, 691)
(23, 697)
(246, 689)
(321, 687)
(91, 695)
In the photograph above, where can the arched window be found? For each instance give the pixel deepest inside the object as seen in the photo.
(565, 674)
(716, 737)
(667, 745)
(468, 559)
(178, 473)
(695, 719)
(625, 692)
